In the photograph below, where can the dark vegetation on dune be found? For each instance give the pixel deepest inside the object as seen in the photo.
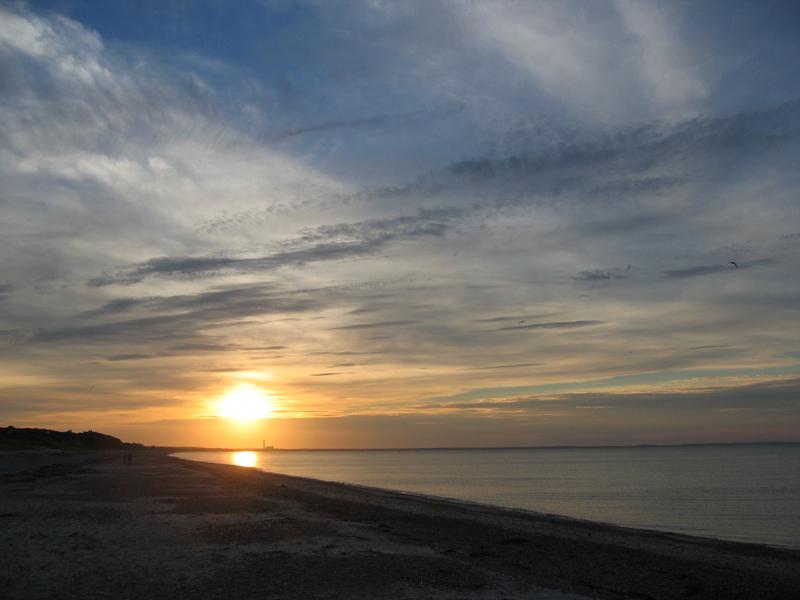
(21, 438)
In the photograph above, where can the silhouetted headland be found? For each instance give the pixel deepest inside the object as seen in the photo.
(22, 438)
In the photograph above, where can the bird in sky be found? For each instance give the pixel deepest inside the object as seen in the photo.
(735, 266)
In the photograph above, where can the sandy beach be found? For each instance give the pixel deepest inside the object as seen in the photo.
(89, 526)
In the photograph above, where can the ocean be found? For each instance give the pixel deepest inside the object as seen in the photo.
(747, 492)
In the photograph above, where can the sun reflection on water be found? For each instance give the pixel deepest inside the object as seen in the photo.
(244, 458)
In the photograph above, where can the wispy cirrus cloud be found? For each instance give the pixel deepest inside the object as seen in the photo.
(376, 325)
(208, 266)
(184, 316)
(400, 183)
(778, 394)
(697, 271)
(552, 325)
(324, 243)
(517, 366)
(603, 274)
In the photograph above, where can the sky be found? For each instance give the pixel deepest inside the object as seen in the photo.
(413, 224)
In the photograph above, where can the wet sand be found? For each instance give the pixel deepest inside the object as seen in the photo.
(88, 526)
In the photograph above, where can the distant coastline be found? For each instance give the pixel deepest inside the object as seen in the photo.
(483, 448)
(30, 438)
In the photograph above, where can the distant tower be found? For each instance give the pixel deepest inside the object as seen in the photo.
(263, 444)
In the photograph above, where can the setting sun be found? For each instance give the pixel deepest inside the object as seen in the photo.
(245, 402)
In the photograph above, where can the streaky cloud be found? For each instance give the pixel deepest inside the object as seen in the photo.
(516, 318)
(552, 325)
(603, 274)
(327, 243)
(514, 366)
(126, 357)
(330, 373)
(697, 271)
(377, 324)
(773, 394)
(187, 315)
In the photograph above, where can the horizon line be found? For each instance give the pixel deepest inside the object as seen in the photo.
(417, 448)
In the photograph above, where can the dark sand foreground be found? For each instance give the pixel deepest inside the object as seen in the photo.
(92, 527)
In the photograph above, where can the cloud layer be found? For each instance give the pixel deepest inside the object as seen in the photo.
(465, 200)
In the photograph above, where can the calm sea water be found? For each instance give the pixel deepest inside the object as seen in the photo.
(748, 493)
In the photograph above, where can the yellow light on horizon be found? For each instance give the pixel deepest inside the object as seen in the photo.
(245, 402)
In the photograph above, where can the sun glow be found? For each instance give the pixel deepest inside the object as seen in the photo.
(245, 402)
(245, 458)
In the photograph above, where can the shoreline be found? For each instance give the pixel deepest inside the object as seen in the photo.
(165, 527)
(509, 510)
(477, 448)
(444, 502)
(709, 534)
